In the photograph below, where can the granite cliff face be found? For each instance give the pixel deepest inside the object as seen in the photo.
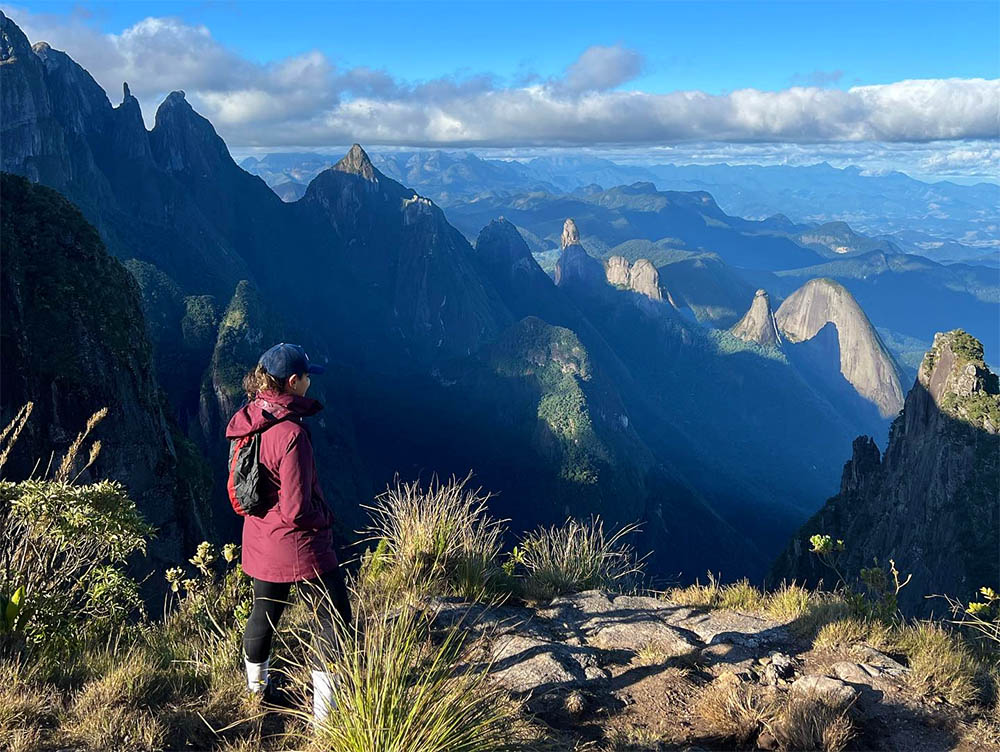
(74, 342)
(930, 501)
(758, 324)
(864, 360)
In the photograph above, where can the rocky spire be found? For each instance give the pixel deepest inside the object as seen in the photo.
(570, 235)
(356, 162)
(575, 265)
(864, 360)
(758, 325)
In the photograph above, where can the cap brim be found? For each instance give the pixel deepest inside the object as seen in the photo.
(313, 368)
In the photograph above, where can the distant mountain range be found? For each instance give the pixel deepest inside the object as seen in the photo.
(633, 377)
(941, 221)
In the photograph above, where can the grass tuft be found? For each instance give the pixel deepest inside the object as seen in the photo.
(940, 663)
(396, 689)
(434, 541)
(735, 710)
(809, 723)
(577, 556)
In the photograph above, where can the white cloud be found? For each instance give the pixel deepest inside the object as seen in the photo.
(306, 100)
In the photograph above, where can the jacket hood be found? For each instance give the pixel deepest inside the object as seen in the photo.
(266, 409)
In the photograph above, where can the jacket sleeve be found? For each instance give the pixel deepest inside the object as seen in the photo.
(296, 504)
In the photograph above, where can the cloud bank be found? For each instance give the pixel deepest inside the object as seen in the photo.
(306, 100)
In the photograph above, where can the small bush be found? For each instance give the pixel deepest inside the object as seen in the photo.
(435, 541)
(62, 555)
(940, 663)
(574, 557)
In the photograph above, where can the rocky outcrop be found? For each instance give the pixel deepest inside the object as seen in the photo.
(641, 277)
(645, 279)
(596, 665)
(416, 272)
(758, 324)
(182, 140)
(930, 502)
(617, 270)
(865, 361)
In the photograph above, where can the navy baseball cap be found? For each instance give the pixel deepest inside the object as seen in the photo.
(282, 360)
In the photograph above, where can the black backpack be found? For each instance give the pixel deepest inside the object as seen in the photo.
(245, 473)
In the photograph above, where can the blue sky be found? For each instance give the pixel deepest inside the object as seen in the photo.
(912, 86)
(711, 46)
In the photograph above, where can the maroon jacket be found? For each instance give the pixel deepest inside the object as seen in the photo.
(293, 540)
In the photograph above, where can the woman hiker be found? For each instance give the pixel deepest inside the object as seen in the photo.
(290, 539)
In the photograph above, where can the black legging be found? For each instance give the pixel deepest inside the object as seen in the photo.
(269, 601)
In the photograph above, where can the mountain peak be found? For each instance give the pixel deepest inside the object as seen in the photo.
(758, 325)
(570, 235)
(182, 139)
(500, 242)
(356, 162)
(174, 99)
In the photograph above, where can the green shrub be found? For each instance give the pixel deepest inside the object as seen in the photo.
(66, 545)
